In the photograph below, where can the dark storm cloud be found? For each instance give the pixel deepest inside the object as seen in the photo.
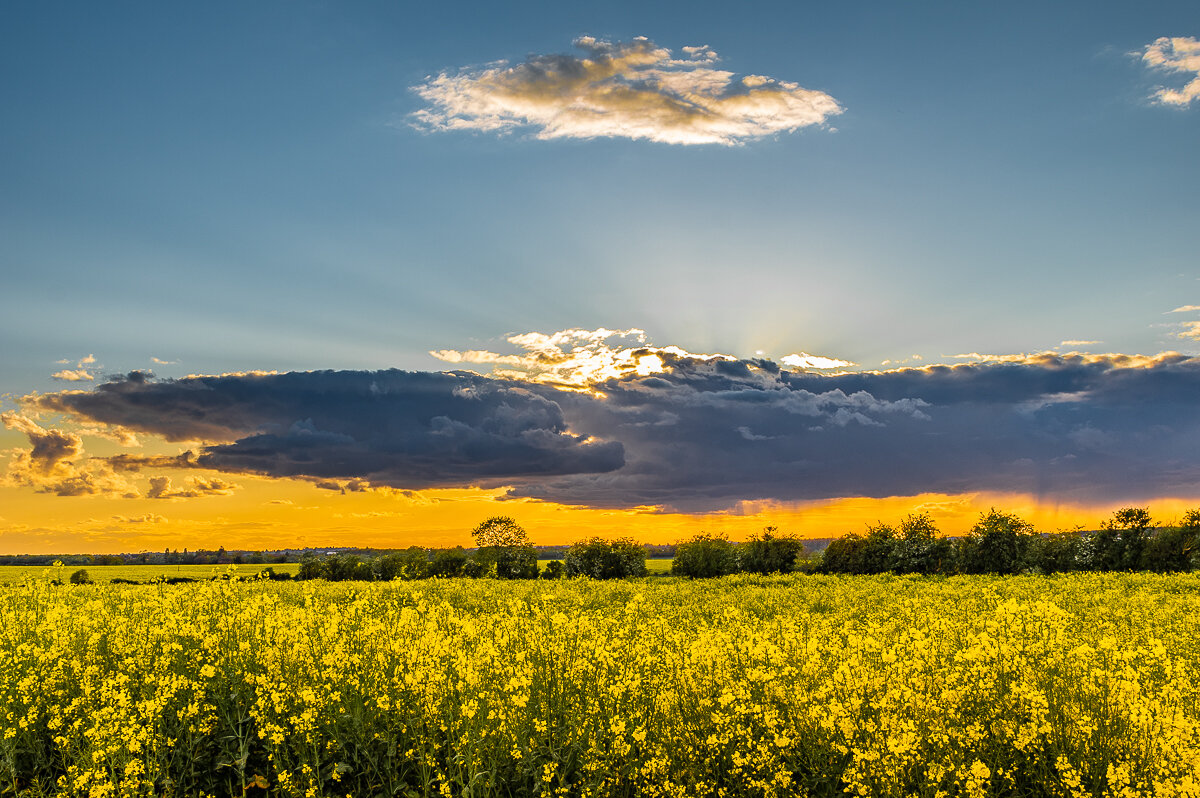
(395, 428)
(702, 434)
(705, 435)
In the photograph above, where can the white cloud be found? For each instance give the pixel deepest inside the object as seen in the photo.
(803, 360)
(163, 362)
(577, 358)
(1185, 309)
(1175, 54)
(1191, 330)
(633, 90)
(69, 375)
(1080, 343)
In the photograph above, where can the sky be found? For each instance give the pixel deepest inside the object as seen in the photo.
(306, 273)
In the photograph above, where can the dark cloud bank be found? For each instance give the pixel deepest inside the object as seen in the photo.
(701, 435)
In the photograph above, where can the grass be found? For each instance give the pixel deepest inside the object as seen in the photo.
(103, 574)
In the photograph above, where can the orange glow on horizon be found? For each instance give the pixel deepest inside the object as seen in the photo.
(274, 514)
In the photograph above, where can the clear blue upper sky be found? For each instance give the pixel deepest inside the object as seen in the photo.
(239, 186)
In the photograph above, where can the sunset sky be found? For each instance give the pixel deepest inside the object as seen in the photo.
(326, 274)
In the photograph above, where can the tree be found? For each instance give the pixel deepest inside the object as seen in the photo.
(770, 552)
(598, 558)
(918, 548)
(878, 555)
(1173, 548)
(704, 556)
(80, 577)
(499, 530)
(449, 562)
(1121, 539)
(844, 555)
(504, 549)
(1057, 553)
(997, 544)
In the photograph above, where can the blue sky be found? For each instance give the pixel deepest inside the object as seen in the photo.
(238, 187)
(229, 187)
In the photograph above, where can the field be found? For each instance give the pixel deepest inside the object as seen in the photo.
(103, 574)
(1085, 685)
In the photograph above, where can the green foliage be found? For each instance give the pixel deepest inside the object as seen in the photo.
(499, 530)
(1061, 552)
(997, 544)
(598, 558)
(506, 562)
(705, 556)
(770, 553)
(412, 563)
(844, 555)
(919, 549)
(80, 577)
(449, 563)
(1119, 543)
(553, 570)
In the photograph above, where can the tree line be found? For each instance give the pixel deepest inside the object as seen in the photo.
(998, 543)
(1003, 543)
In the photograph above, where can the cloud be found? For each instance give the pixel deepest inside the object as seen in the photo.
(163, 362)
(1080, 343)
(804, 360)
(160, 488)
(1078, 427)
(1191, 329)
(391, 428)
(1185, 309)
(606, 419)
(73, 376)
(148, 518)
(634, 90)
(50, 467)
(1179, 54)
(576, 358)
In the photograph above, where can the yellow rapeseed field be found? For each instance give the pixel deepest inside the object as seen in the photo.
(1082, 685)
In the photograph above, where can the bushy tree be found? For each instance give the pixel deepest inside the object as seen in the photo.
(704, 556)
(312, 568)
(598, 558)
(504, 549)
(449, 563)
(844, 555)
(499, 530)
(770, 552)
(412, 563)
(1173, 548)
(997, 544)
(918, 549)
(80, 577)
(553, 570)
(1118, 544)
(878, 555)
(1060, 552)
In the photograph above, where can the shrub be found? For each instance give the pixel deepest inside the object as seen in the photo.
(997, 544)
(448, 562)
(770, 553)
(81, 577)
(704, 556)
(598, 558)
(553, 570)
